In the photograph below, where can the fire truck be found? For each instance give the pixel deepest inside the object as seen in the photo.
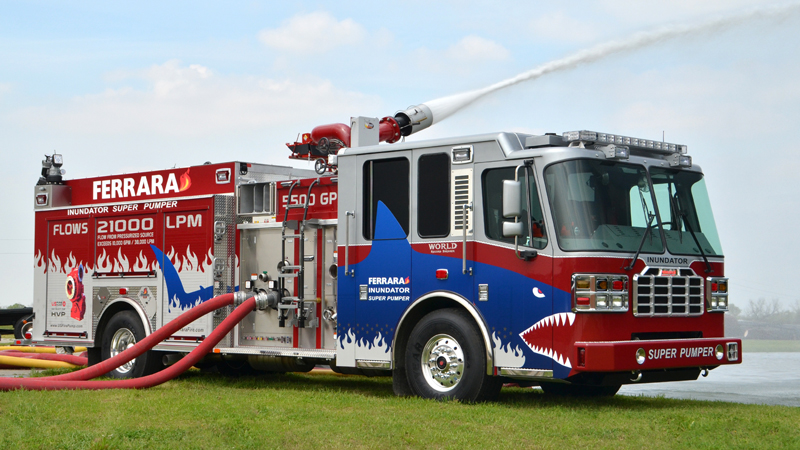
(576, 262)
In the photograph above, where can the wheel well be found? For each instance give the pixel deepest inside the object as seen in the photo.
(417, 312)
(108, 314)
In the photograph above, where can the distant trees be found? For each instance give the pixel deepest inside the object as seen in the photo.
(771, 311)
(764, 319)
(16, 306)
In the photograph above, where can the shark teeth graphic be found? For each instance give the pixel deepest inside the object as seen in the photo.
(549, 323)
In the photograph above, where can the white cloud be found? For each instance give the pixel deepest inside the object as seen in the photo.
(181, 100)
(313, 33)
(5, 87)
(476, 49)
(467, 54)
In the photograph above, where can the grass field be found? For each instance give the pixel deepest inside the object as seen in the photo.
(323, 410)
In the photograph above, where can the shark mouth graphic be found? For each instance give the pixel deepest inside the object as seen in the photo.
(556, 328)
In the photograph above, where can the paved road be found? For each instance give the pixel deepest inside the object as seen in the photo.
(764, 378)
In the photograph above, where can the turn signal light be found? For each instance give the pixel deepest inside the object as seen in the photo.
(716, 294)
(441, 274)
(599, 293)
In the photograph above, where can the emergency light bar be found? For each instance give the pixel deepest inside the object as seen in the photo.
(605, 138)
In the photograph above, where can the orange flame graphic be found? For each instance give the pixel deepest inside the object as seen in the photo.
(186, 182)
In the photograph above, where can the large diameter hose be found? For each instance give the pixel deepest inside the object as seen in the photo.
(37, 349)
(151, 341)
(20, 363)
(75, 360)
(52, 383)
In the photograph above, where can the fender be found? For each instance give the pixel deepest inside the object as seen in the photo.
(476, 316)
(136, 307)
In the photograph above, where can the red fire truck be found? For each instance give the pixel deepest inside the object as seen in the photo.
(576, 262)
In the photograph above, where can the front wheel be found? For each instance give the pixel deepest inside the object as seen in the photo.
(446, 358)
(123, 331)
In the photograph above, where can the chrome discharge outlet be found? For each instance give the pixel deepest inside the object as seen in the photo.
(267, 299)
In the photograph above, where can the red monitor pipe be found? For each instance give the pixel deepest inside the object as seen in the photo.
(390, 129)
(59, 382)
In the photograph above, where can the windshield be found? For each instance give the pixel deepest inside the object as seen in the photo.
(602, 205)
(683, 207)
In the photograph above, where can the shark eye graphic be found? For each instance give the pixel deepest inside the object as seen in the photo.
(70, 286)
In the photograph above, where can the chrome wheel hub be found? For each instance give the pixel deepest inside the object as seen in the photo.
(442, 362)
(122, 340)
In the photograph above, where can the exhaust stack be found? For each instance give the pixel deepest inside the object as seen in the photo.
(324, 141)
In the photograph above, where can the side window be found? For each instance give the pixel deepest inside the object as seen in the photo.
(385, 180)
(433, 195)
(493, 209)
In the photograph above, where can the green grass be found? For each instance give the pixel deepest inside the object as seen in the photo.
(758, 345)
(200, 410)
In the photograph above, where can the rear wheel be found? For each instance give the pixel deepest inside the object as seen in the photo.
(123, 331)
(446, 358)
(579, 390)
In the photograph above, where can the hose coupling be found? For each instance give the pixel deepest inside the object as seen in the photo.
(266, 299)
(240, 297)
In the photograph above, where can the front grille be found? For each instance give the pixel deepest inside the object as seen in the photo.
(657, 294)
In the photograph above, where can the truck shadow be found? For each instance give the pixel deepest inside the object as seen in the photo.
(381, 387)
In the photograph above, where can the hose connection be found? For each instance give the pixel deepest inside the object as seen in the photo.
(266, 300)
(241, 297)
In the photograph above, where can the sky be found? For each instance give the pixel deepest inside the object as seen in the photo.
(119, 87)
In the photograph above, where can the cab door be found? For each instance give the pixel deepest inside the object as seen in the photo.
(514, 278)
(383, 277)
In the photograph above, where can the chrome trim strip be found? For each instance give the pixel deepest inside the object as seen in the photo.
(526, 373)
(277, 351)
(382, 365)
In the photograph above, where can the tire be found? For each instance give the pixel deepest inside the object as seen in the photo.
(446, 359)
(23, 325)
(579, 390)
(122, 331)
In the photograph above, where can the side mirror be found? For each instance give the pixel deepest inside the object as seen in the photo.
(512, 229)
(512, 193)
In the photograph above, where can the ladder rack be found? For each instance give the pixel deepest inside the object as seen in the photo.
(287, 270)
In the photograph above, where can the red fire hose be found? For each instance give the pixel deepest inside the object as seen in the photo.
(149, 342)
(58, 382)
